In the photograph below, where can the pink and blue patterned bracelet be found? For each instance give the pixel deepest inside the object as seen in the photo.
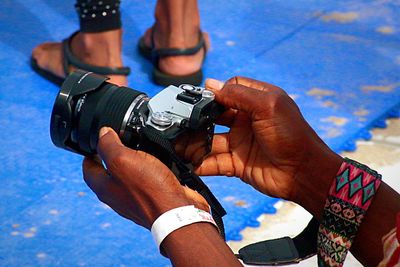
(350, 196)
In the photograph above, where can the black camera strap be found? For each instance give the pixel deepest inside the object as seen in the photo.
(282, 251)
(187, 177)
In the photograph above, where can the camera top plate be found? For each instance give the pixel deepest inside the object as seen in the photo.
(173, 106)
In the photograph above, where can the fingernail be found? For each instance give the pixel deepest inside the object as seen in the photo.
(214, 84)
(103, 131)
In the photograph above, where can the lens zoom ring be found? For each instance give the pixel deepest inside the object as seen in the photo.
(112, 113)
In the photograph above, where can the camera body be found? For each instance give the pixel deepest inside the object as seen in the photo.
(87, 102)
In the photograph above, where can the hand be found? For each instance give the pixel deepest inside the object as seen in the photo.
(269, 145)
(136, 185)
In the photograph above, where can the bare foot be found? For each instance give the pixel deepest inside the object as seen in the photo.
(99, 49)
(178, 65)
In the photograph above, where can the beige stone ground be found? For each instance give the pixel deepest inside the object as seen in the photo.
(382, 153)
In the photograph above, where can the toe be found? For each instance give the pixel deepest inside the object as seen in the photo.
(38, 51)
(147, 36)
(49, 57)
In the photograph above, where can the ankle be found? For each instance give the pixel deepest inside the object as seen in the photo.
(176, 29)
(164, 36)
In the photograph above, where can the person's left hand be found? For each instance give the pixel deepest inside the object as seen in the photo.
(136, 185)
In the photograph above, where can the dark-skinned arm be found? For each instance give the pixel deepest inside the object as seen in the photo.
(142, 194)
(198, 244)
(271, 147)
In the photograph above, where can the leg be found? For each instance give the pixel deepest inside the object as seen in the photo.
(99, 41)
(177, 26)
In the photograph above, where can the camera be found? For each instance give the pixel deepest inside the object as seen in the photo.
(176, 125)
(87, 102)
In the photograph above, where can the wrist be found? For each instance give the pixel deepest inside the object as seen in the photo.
(161, 202)
(207, 248)
(314, 181)
(177, 218)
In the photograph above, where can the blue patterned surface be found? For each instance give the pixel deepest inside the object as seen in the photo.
(341, 68)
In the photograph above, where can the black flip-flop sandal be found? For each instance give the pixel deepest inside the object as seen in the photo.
(70, 60)
(163, 78)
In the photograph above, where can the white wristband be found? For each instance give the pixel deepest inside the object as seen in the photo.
(176, 218)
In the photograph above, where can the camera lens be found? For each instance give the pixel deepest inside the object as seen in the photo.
(85, 103)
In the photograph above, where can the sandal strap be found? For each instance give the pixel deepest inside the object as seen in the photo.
(70, 59)
(163, 52)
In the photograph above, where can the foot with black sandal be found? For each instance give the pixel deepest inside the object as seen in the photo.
(175, 44)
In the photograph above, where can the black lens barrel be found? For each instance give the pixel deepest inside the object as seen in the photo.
(105, 107)
(101, 104)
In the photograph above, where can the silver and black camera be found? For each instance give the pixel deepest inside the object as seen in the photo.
(176, 125)
(87, 102)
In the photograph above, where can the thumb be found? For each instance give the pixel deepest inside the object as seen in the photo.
(237, 96)
(109, 145)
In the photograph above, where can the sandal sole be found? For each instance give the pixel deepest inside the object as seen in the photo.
(164, 79)
(45, 73)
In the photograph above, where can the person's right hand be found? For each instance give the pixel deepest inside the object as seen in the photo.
(270, 145)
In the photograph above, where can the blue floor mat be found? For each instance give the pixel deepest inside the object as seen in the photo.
(340, 61)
